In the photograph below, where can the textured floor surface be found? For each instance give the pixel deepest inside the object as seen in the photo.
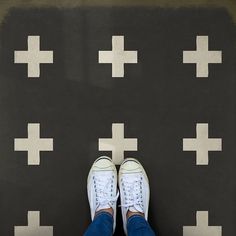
(159, 102)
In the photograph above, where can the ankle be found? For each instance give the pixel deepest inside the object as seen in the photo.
(108, 210)
(130, 213)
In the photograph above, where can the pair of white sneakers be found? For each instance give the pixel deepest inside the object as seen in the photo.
(133, 184)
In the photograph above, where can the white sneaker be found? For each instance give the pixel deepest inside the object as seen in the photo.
(102, 186)
(134, 189)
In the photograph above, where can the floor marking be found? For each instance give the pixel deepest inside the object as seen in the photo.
(202, 144)
(202, 228)
(33, 228)
(118, 144)
(202, 56)
(33, 57)
(33, 144)
(118, 56)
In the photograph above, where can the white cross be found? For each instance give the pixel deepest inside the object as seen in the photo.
(118, 144)
(202, 228)
(33, 144)
(33, 57)
(33, 228)
(118, 56)
(202, 56)
(202, 144)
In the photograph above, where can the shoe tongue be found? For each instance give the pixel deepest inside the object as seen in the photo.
(136, 208)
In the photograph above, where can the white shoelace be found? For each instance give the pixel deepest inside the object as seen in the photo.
(133, 193)
(104, 191)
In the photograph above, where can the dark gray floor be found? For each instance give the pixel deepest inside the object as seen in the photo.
(76, 100)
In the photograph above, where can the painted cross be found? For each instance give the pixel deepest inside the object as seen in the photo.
(118, 144)
(202, 228)
(118, 57)
(33, 228)
(202, 144)
(33, 144)
(202, 57)
(34, 56)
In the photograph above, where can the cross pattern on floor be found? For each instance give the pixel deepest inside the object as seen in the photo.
(202, 57)
(202, 227)
(118, 144)
(118, 57)
(202, 144)
(33, 57)
(84, 112)
(33, 228)
(33, 144)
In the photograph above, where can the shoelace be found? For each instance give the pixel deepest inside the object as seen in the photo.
(104, 190)
(133, 192)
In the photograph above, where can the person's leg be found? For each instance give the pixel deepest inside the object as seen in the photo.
(102, 196)
(134, 195)
(138, 226)
(102, 225)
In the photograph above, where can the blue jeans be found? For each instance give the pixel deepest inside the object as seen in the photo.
(102, 225)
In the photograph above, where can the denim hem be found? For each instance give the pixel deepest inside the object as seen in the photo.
(134, 216)
(104, 213)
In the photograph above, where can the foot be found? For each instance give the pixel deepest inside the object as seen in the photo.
(102, 187)
(134, 190)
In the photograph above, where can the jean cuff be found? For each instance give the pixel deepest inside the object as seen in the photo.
(104, 213)
(134, 216)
